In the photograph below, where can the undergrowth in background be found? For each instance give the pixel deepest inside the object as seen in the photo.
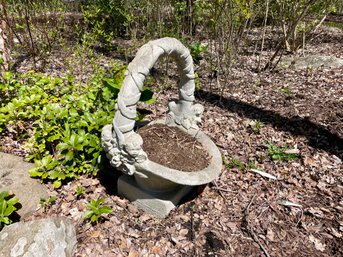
(39, 27)
(197, 50)
(35, 27)
(61, 120)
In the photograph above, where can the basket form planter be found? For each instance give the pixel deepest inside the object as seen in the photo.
(153, 187)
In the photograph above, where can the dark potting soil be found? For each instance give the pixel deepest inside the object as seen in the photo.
(173, 148)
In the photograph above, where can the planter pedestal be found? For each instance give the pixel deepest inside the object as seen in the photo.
(156, 203)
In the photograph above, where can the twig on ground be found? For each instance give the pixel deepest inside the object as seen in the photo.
(301, 216)
(156, 133)
(193, 232)
(250, 230)
(224, 189)
(218, 190)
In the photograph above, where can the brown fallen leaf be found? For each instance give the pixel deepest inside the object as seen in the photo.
(145, 217)
(317, 243)
(133, 253)
(183, 232)
(308, 161)
(270, 235)
(335, 233)
(95, 234)
(156, 249)
(122, 242)
(316, 212)
(232, 226)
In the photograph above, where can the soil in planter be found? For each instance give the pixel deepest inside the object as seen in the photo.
(173, 148)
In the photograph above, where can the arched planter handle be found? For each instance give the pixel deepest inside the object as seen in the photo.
(122, 144)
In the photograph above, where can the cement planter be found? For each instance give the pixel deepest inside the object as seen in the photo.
(154, 177)
(154, 187)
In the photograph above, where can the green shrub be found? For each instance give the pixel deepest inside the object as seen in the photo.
(105, 19)
(197, 49)
(66, 119)
(7, 207)
(38, 26)
(61, 121)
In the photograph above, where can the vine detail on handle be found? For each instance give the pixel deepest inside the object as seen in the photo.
(122, 145)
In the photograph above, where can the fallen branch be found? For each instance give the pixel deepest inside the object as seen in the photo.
(249, 228)
(219, 192)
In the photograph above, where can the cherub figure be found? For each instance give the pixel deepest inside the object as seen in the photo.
(185, 114)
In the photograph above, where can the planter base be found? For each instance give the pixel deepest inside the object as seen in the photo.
(157, 204)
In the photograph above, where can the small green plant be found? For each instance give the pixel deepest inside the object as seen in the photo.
(254, 126)
(258, 83)
(80, 191)
(96, 210)
(287, 91)
(234, 163)
(197, 49)
(47, 202)
(257, 127)
(197, 81)
(7, 207)
(281, 153)
(252, 165)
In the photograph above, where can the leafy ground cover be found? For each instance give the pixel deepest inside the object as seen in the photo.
(286, 123)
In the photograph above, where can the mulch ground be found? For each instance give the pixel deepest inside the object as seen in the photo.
(241, 213)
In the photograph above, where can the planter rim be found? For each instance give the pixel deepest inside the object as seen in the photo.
(193, 178)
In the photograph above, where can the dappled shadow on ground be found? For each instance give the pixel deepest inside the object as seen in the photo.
(317, 135)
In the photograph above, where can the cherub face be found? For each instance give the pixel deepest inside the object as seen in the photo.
(134, 144)
(133, 149)
(198, 110)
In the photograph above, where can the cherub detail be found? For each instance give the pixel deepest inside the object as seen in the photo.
(123, 156)
(184, 114)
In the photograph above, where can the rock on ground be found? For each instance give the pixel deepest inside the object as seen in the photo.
(52, 237)
(14, 177)
(314, 61)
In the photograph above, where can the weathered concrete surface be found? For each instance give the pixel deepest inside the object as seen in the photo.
(14, 176)
(53, 237)
(314, 61)
(157, 204)
(122, 144)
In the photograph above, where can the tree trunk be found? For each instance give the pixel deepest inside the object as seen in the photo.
(4, 48)
(189, 19)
